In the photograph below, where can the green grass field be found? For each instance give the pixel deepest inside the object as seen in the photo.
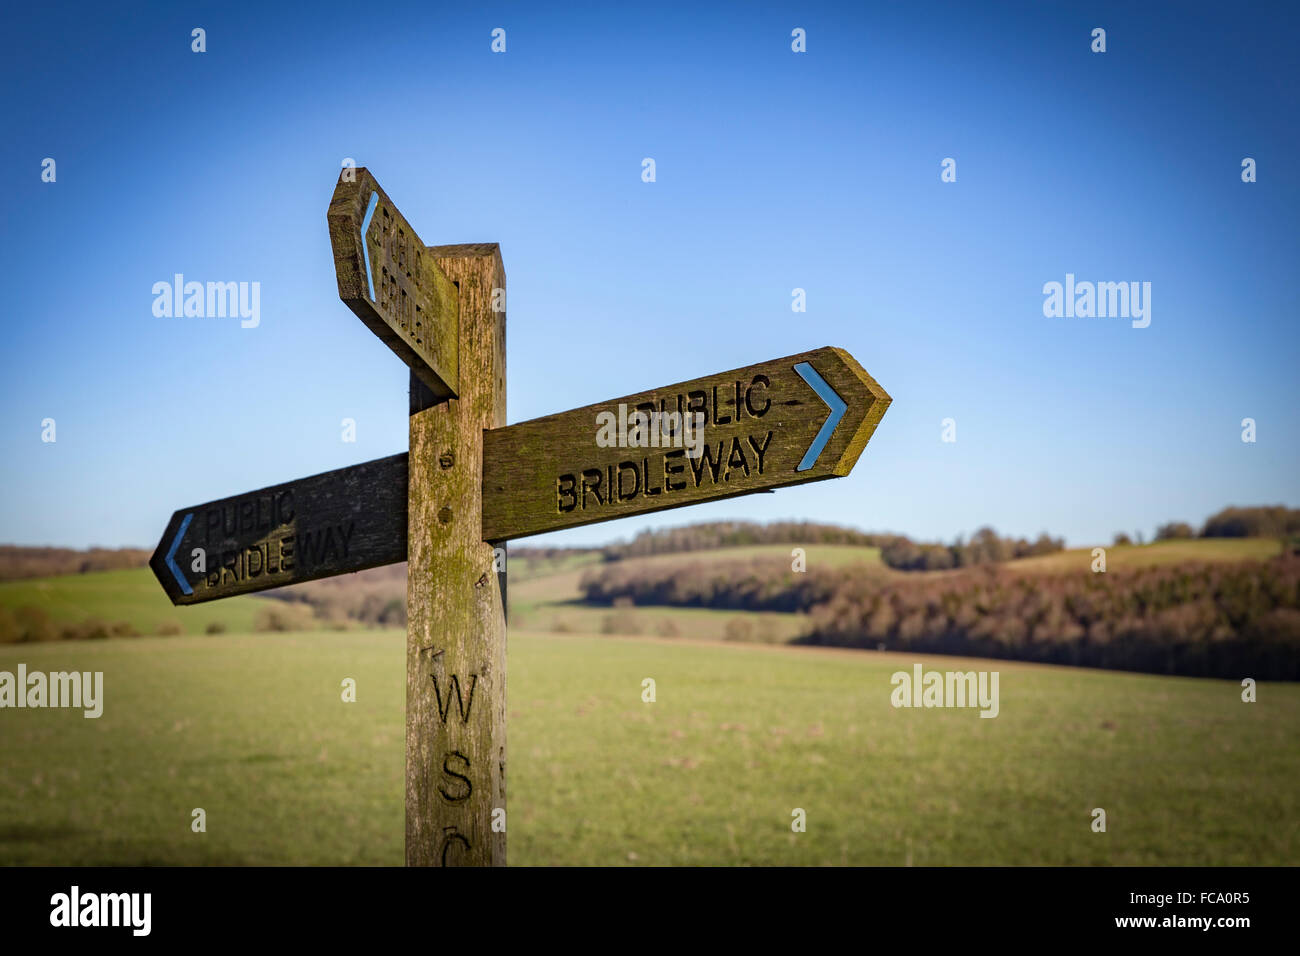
(252, 729)
(132, 595)
(1127, 556)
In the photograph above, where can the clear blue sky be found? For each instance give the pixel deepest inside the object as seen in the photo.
(775, 170)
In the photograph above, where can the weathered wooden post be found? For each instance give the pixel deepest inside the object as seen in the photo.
(456, 628)
(442, 311)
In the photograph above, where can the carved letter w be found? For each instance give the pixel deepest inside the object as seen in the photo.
(464, 706)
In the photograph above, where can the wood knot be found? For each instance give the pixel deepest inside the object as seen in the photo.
(444, 515)
(446, 459)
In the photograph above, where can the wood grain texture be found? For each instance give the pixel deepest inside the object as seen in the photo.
(333, 523)
(405, 299)
(456, 640)
(552, 473)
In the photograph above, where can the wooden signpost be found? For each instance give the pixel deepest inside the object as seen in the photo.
(469, 483)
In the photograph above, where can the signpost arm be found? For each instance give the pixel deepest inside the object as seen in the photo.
(456, 636)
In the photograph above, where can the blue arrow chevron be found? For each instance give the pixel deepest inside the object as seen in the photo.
(833, 401)
(365, 253)
(171, 556)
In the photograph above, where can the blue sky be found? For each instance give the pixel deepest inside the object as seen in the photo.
(775, 170)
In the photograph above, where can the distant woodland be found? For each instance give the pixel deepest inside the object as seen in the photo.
(1203, 620)
(17, 561)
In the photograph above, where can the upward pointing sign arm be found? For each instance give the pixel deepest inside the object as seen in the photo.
(392, 283)
(802, 418)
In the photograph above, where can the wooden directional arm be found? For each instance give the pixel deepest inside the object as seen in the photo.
(388, 278)
(802, 418)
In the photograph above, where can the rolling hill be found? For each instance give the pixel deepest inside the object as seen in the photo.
(129, 595)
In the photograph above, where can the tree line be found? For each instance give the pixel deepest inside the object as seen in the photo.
(1275, 521)
(21, 561)
(898, 551)
(734, 534)
(1230, 620)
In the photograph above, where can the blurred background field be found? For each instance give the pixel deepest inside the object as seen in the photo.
(235, 707)
(252, 728)
(129, 598)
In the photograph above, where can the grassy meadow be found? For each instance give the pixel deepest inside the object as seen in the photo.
(1124, 557)
(131, 595)
(252, 728)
